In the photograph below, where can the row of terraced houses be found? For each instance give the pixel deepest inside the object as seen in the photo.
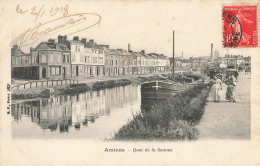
(79, 59)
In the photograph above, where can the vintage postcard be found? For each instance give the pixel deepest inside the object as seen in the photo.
(130, 83)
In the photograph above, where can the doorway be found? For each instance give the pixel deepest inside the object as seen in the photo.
(43, 72)
(97, 71)
(63, 72)
(77, 70)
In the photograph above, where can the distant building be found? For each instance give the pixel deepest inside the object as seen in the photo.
(109, 63)
(79, 59)
(233, 60)
(54, 60)
(49, 60)
(98, 59)
(24, 66)
(247, 62)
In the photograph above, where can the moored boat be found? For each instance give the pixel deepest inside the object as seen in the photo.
(157, 90)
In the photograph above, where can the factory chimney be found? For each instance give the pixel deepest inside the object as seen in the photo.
(211, 53)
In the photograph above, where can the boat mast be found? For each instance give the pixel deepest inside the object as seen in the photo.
(172, 54)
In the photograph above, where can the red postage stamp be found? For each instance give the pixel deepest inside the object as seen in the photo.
(240, 26)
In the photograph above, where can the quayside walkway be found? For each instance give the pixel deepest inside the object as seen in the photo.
(228, 120)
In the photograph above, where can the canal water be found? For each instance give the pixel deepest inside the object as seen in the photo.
(90, 115)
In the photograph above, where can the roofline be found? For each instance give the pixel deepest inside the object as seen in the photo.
(52, 50)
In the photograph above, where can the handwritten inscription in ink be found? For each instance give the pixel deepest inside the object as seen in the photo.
(72, 23)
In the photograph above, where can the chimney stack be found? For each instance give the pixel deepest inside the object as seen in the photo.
(119, 49)
(15, 47)
(104, 46)
(76, 38)
(129, 49)
(143, 51)
(51, 41)
(62, 39)
(84, 41)
(91, 41)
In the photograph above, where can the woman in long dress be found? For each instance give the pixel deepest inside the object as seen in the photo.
(231, 88)
(216, 87)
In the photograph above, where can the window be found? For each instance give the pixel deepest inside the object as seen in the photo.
(58, 59)
(13, 60)
(73, 58)
(100, 60)
(68, 58)
(43, 58)
(51, 58)
(81, 58)
(81, 69)
(94, 59)
(77, 48)
(64, 58)
(116, 62)
(85, 59)
(26, 60)
(55, 71)
(73, 69)
(52, 70)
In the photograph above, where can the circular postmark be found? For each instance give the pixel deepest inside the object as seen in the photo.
(232, 32)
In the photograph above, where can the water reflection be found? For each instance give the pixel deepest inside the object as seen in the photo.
(65, 113)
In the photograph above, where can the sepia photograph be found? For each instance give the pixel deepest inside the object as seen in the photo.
(154, 78)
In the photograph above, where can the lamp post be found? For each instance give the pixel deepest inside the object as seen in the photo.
(227, 57)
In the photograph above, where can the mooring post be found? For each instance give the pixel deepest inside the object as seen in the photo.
(172, 54)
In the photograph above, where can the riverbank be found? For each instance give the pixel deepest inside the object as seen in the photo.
(173, 119)
(94, 85)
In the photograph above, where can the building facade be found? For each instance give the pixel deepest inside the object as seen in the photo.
(82, 59)
(49, 60)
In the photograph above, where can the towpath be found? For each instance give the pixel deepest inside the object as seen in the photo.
(228, 120)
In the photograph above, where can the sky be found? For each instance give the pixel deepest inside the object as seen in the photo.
(148, 25)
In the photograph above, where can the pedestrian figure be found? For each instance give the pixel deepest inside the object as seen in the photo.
(216, 87)
(246, 70)
(231, 88)
(236, 75)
